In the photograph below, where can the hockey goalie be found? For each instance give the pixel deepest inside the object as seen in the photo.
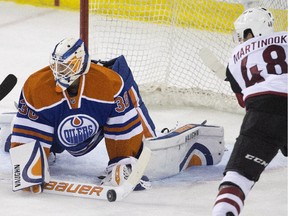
(75, 103)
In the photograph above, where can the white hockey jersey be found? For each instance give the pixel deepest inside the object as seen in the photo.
(259, 66)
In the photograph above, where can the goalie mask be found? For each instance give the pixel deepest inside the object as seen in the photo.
(258, 20)
(69, 60)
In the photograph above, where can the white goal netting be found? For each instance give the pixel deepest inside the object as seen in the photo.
(161, 40)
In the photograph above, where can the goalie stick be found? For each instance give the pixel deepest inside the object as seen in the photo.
(101, 192)
(212, 62)
(7, 85)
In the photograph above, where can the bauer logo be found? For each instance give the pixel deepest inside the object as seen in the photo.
(74, 188)
(76, 129)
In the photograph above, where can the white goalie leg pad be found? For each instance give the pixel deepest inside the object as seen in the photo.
(30, 165)
(188, 145)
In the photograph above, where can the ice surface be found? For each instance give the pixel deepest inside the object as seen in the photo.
(27, 36)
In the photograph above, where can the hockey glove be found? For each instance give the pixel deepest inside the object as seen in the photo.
(118, 171)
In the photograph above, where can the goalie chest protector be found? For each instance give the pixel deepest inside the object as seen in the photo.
(189, 145)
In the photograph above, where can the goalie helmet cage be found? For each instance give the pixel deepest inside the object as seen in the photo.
(161, 40)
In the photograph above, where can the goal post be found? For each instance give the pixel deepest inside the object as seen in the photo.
(84, 21)
(162, 39)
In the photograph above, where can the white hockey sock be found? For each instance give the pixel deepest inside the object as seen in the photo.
(231, 197)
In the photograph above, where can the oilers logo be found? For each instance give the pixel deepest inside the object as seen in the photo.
(76, 129)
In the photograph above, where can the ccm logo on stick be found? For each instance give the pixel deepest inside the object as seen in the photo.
(256, 159)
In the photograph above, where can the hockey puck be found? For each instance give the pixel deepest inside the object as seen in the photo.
(111, 195)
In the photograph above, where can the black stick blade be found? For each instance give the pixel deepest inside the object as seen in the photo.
(7, 85)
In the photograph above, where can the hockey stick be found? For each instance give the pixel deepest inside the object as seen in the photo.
(7, 85)
(101, 192)
(211, 61)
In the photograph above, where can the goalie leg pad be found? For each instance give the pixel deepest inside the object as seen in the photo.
(30, 165)
(189, 145)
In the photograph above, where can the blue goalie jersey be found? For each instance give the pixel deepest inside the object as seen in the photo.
(108, 104)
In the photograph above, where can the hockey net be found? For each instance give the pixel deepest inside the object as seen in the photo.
(161, 40)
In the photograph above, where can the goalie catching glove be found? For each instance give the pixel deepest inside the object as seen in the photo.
(118, 171)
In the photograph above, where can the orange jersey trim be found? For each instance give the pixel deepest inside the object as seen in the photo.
(119, 129)
(41, 136)
(146, 130)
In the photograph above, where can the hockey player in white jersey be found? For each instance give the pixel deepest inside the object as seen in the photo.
(257, 72)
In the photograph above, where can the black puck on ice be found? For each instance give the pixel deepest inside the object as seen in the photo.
(111, 195)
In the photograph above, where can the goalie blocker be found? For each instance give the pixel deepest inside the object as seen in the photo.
(189, 145)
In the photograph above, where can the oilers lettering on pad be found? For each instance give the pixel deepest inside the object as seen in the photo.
(76, 129)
